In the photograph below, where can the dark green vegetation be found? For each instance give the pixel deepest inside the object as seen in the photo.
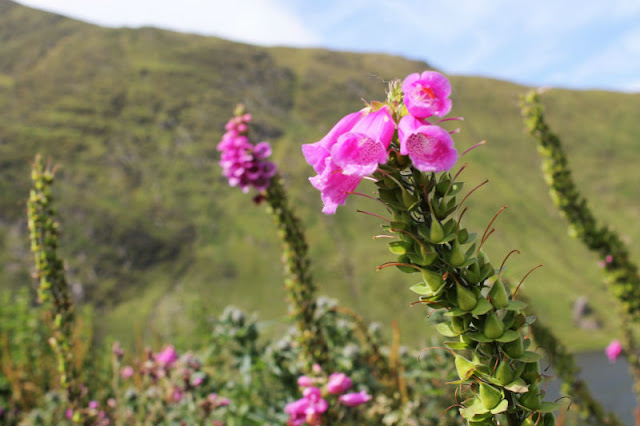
(152, 233)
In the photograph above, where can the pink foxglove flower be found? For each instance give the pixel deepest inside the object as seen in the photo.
(427, 94)
(359, 151)
(354, 399)
(244, 164)
(429, 147)
(316, 153)
(334, 186)
(305, 381)
(614, 350)
(167, 356)
(338, 383)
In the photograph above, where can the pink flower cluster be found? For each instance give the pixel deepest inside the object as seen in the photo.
(614, 350)
(243, 164)
(361, 141)
(309, 408)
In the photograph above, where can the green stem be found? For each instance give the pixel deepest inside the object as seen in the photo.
(298, 280)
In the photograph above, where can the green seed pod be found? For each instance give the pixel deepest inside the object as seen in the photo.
(504, 373)
(531, 399)
(436, 232)
(489, 396)
(466, 339)
(457, 324)
(432, 279)
(549, 420)
(466, 298)
(493, 326)
(456, 255)
(428, 257)
(531, 373)
(514, 349)
(498, 295)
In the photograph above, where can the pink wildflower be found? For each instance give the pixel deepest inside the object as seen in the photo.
(167, 356)
(93, 405)
(177, 394)
(305, 381)
(354, 399)
(126, 372)
(316, 153)
(614, 350)
(609, 258)
(243, 164)
(338, 383)
(308, 409)
(69, 413)
(427, 94)
(334, 186)
(359, 151)
(429, 147)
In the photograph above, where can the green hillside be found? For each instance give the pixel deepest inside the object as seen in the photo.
(152, 233)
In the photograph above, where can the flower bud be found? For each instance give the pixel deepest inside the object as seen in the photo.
(514, 349)
(432, 279)
(493, 326)
(531, 399)
(498, 295)
(549, 420)
(489, 396)
(466, 298)
(504, 373)
(456, 255)
(531, 373)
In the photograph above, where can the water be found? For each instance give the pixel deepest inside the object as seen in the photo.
(609, 383)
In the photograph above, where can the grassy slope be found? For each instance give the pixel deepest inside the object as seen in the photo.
(152, 232)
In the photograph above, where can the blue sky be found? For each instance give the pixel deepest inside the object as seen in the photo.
(562, 43)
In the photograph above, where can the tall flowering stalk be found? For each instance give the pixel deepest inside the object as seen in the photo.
(53, 290)
(621, 274)
(397, 145)
(245, 165)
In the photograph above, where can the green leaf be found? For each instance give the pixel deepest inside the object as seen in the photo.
(501, 407)
(508, 336)
(549, 407)
(529, 357)
(399, 247)
(479, 337)
(422, 289)
(515, 305)
(482, 307)
(518, 386)
(445, 330)
(459, 346)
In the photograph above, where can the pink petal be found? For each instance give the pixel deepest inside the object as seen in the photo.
(429, 147)
(427, 94)
(333, 186)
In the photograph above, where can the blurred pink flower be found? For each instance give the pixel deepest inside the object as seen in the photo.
(338, 383)
(305, 381)
(334, 186)
(427, 94)
(614, 350)
(127, 372)
(93, 405)
(167, 356)
(354, 399)
(609, 258)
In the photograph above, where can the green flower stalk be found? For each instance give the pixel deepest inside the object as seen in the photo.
(53, 290)
(298, 279)
(499, 377)
(245, 165)
(621, 274)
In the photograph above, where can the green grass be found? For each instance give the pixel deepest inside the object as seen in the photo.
(132, 117)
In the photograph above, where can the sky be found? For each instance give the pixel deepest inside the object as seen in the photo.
(578, 44)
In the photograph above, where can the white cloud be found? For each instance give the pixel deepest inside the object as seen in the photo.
(265, 22)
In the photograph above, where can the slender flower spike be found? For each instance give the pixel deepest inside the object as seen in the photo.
(614, 350)
(359, 151)
(429, 147)
(427, 94)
